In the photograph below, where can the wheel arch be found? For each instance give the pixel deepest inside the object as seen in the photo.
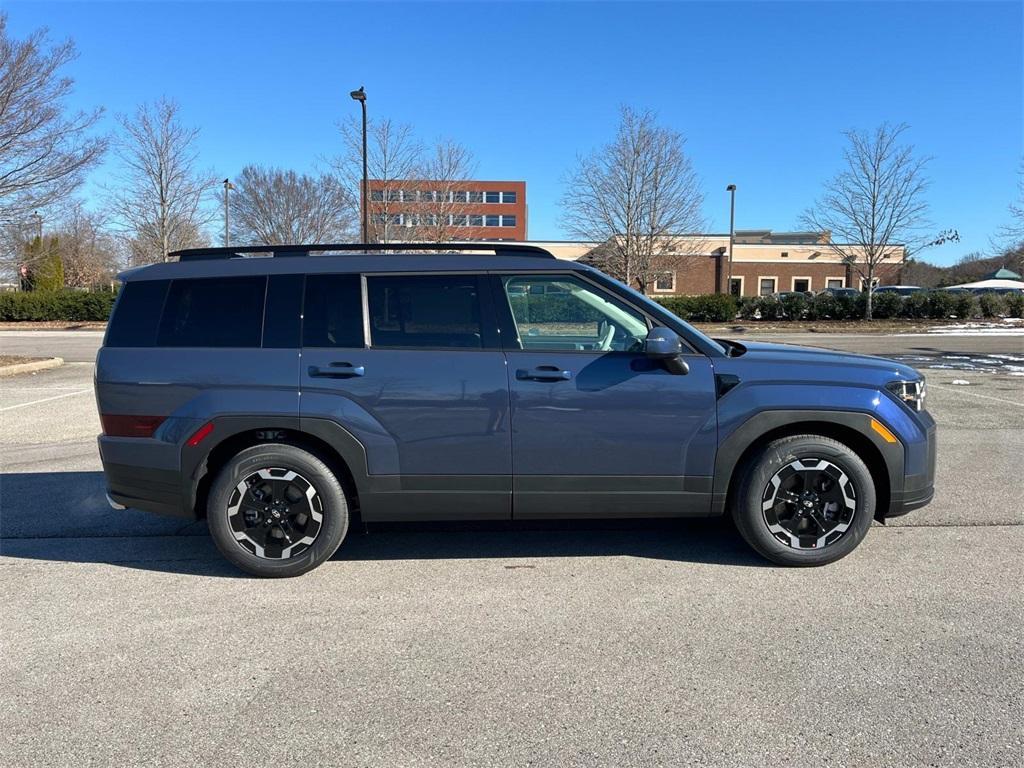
(327, 440)
(884, 460)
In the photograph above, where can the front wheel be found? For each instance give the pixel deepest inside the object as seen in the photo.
(276, 510)
(805, 500)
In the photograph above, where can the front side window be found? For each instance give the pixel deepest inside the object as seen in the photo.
(425, 311)
(562, 312)
(213, 312)
(333, 312)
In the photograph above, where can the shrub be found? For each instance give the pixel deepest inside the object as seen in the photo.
(1014, 303)
(991, 304)
(941, 304)
(965, 305)
(712, 308)
(680, 306)
(915, 306)
(78, 306)
(794, 307)
(885, 306)
(763, 308)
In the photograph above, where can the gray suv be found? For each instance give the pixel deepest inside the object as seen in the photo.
(279, 391)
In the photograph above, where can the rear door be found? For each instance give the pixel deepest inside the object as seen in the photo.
(599, 429)
(411, 366)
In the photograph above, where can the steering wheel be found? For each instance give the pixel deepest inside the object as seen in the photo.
(605, 343)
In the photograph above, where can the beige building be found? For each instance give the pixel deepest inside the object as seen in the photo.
(763, 262)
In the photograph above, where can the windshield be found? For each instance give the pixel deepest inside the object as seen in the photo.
(647, 302)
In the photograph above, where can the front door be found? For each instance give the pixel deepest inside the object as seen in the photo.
(422, 388)
(598, 428)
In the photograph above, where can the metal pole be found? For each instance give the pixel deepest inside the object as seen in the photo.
(732, 233)
(227, 185)
(39, 225)
(366, 181)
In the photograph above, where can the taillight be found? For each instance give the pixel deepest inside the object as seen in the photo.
(130, 426)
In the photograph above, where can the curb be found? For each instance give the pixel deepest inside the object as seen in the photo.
(35, 365)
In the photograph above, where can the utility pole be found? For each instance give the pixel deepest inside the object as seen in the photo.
(731, 189)
(360, 96)
(39, 224)
(227, 186)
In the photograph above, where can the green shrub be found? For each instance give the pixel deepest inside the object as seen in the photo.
(991, 304)
(885, 306)
(915, 306)
(762, 308)
(680, 306)
(1014, 303)
(941, 304)
(965, 305)
(712, 308)
(794, 307)
(77, 306)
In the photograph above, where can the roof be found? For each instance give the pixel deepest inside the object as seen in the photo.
(993, 283)
(1003, 274)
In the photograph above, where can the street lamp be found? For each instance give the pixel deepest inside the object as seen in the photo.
(731, 189)
(39, 224)
(360, 96)
(227, 186)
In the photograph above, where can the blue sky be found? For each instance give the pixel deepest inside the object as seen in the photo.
(761, 90)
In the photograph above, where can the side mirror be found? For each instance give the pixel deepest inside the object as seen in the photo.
(664, 344)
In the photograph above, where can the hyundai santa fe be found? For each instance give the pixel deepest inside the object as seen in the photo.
(278, 391)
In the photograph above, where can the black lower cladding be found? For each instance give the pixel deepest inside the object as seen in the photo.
(148, 489)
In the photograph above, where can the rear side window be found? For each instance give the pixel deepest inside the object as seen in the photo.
(137, 314)
(333, 314)
(213, 312)
(283, 316)
(427, 311)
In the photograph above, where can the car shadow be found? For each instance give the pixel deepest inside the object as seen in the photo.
(64, 517)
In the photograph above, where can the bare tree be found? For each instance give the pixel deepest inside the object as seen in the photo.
(158, 200)
(272, 206)
(88, 250)
(44, 152)
(875, 207)
(636, 196)
(393, 160)
(1012, 233)
(443, 195)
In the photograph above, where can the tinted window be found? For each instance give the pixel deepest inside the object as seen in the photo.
(435, 311)
(282, 319)
(333, 315)
(137, 315)
(214, 312)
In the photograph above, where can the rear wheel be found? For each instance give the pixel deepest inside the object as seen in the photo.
(805, 500)
(277, 510)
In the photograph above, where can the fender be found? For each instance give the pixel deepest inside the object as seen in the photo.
(732, 448)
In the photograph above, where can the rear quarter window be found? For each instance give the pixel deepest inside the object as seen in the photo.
(213, 312)
(136, 315)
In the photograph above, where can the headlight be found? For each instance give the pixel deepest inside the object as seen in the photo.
(910, 392)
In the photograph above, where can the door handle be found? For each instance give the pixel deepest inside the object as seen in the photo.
(337, 371)
(543, 373)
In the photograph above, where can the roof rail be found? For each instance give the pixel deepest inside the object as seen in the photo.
(378, 249)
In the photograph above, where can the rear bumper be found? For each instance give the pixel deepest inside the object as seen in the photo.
(143, 474)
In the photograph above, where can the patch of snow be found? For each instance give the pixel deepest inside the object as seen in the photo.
(959, 381)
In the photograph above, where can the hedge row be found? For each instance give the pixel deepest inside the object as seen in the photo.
(936, 305)
(710, 308)
(56, 305)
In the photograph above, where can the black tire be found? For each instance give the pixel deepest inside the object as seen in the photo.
(294, 474)
(810, 542)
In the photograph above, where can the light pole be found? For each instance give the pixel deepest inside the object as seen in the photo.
(360, 96)
(39, 224)
(731, 189)
(227, 187)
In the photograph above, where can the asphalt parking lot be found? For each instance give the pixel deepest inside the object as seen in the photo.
(127, 640)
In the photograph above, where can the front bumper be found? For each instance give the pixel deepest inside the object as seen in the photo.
(919, 478)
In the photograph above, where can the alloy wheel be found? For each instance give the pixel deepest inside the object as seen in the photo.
(809, 503)
(275, 513)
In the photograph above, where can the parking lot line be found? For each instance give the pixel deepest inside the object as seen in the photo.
(45, 400)
(977, 394)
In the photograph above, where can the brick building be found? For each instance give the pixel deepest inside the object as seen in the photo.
(764, 262)
(449, 210)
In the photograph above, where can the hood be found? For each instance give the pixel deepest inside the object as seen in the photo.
(798, 362)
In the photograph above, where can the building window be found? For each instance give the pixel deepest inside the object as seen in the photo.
(785, 254)
(508, 197)
(394, 195)
(493, 197)
(476, 197)
(475, 220)
(767, 286)
(380, 218)
(665, 282)
(377, 195)
(801, 284)
(736, 286)
(458, 220)
(835, 282)
(493, 221)
(460, 197)
(508, 221)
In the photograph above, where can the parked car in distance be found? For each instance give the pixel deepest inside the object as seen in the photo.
(848, 292)
(283, 392)
(788, 294)
(900, 290)
(957, 290)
